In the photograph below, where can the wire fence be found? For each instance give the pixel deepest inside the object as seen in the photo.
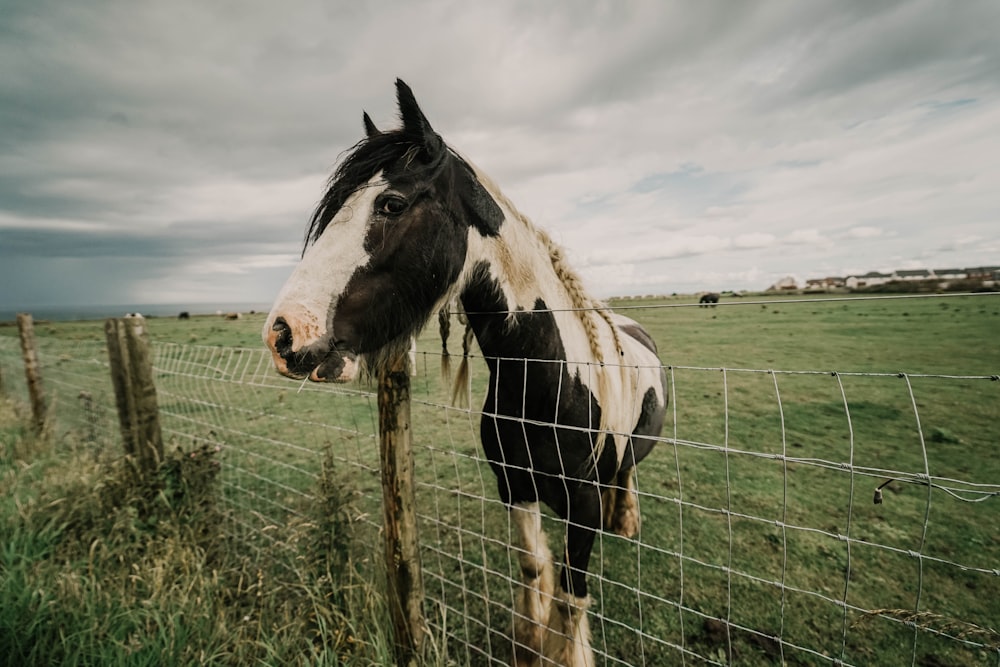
(761, 542)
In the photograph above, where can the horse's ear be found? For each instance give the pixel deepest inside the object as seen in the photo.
(370, 129)
(415, 123)
(480, 207)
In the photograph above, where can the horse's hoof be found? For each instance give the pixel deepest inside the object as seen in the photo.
(626, 523)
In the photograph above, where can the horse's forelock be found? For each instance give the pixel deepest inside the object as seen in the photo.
(368, 157)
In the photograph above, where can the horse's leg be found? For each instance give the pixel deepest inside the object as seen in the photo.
(609, 500)
(624, 514)
(621, 500)
(567, 642)
(531, 607)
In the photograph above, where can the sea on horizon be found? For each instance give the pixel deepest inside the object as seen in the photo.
(102, 312)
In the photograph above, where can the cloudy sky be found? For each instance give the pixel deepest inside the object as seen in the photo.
(173, 151)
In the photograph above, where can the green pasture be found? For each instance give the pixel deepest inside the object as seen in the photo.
(758, 513)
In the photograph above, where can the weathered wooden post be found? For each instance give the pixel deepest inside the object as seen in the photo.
(26, 329)
(402, 556)
(135, 393)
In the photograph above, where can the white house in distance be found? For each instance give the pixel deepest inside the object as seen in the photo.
(987, 275)
(940, 279)
(869, 279)
(785, 284)
(822, 284)
(913, 274)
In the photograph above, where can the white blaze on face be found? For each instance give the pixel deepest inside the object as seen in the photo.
(307, 300)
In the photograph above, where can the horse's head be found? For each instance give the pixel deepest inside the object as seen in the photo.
(385, 247)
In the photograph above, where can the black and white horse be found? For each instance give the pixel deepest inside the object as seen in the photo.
(576, 393)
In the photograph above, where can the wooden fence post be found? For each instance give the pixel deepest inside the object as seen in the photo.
(29, 351)
(135, 393)
(402, 556)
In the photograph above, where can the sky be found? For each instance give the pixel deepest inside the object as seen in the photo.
(172, 152)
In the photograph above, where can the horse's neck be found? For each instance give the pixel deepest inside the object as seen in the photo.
(520, 270)
(517, 304)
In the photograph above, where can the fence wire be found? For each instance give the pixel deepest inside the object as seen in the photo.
(761, 540)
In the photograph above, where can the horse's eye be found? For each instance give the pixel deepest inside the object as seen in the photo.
(391, 205)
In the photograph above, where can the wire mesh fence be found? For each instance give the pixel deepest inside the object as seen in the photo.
(761, 541)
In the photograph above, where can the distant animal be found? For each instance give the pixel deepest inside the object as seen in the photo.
(576, 394)
(184, 315)
(709, 299)
(232, 316)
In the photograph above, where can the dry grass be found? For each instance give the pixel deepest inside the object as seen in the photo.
(937, 623)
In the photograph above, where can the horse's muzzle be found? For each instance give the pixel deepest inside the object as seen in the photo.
(336, 367)
(319, 362)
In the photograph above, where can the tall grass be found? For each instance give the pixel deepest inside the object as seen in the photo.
(98, 570)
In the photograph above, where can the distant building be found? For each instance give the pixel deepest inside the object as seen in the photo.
(785, 284)
(913, 274)
(944, 279)
(951, 274)
(983, 272)
(869, 279)
(830, 282)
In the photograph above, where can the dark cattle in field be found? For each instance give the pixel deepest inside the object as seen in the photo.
(185, 315)
(709, 299)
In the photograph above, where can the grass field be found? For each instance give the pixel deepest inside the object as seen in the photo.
(760, 540)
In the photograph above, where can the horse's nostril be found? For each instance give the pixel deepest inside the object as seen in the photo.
(283, 341)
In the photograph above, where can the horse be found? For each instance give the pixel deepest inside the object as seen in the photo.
(709, 299)
(576, 393)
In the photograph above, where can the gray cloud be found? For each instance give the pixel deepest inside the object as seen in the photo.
(190, 140)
